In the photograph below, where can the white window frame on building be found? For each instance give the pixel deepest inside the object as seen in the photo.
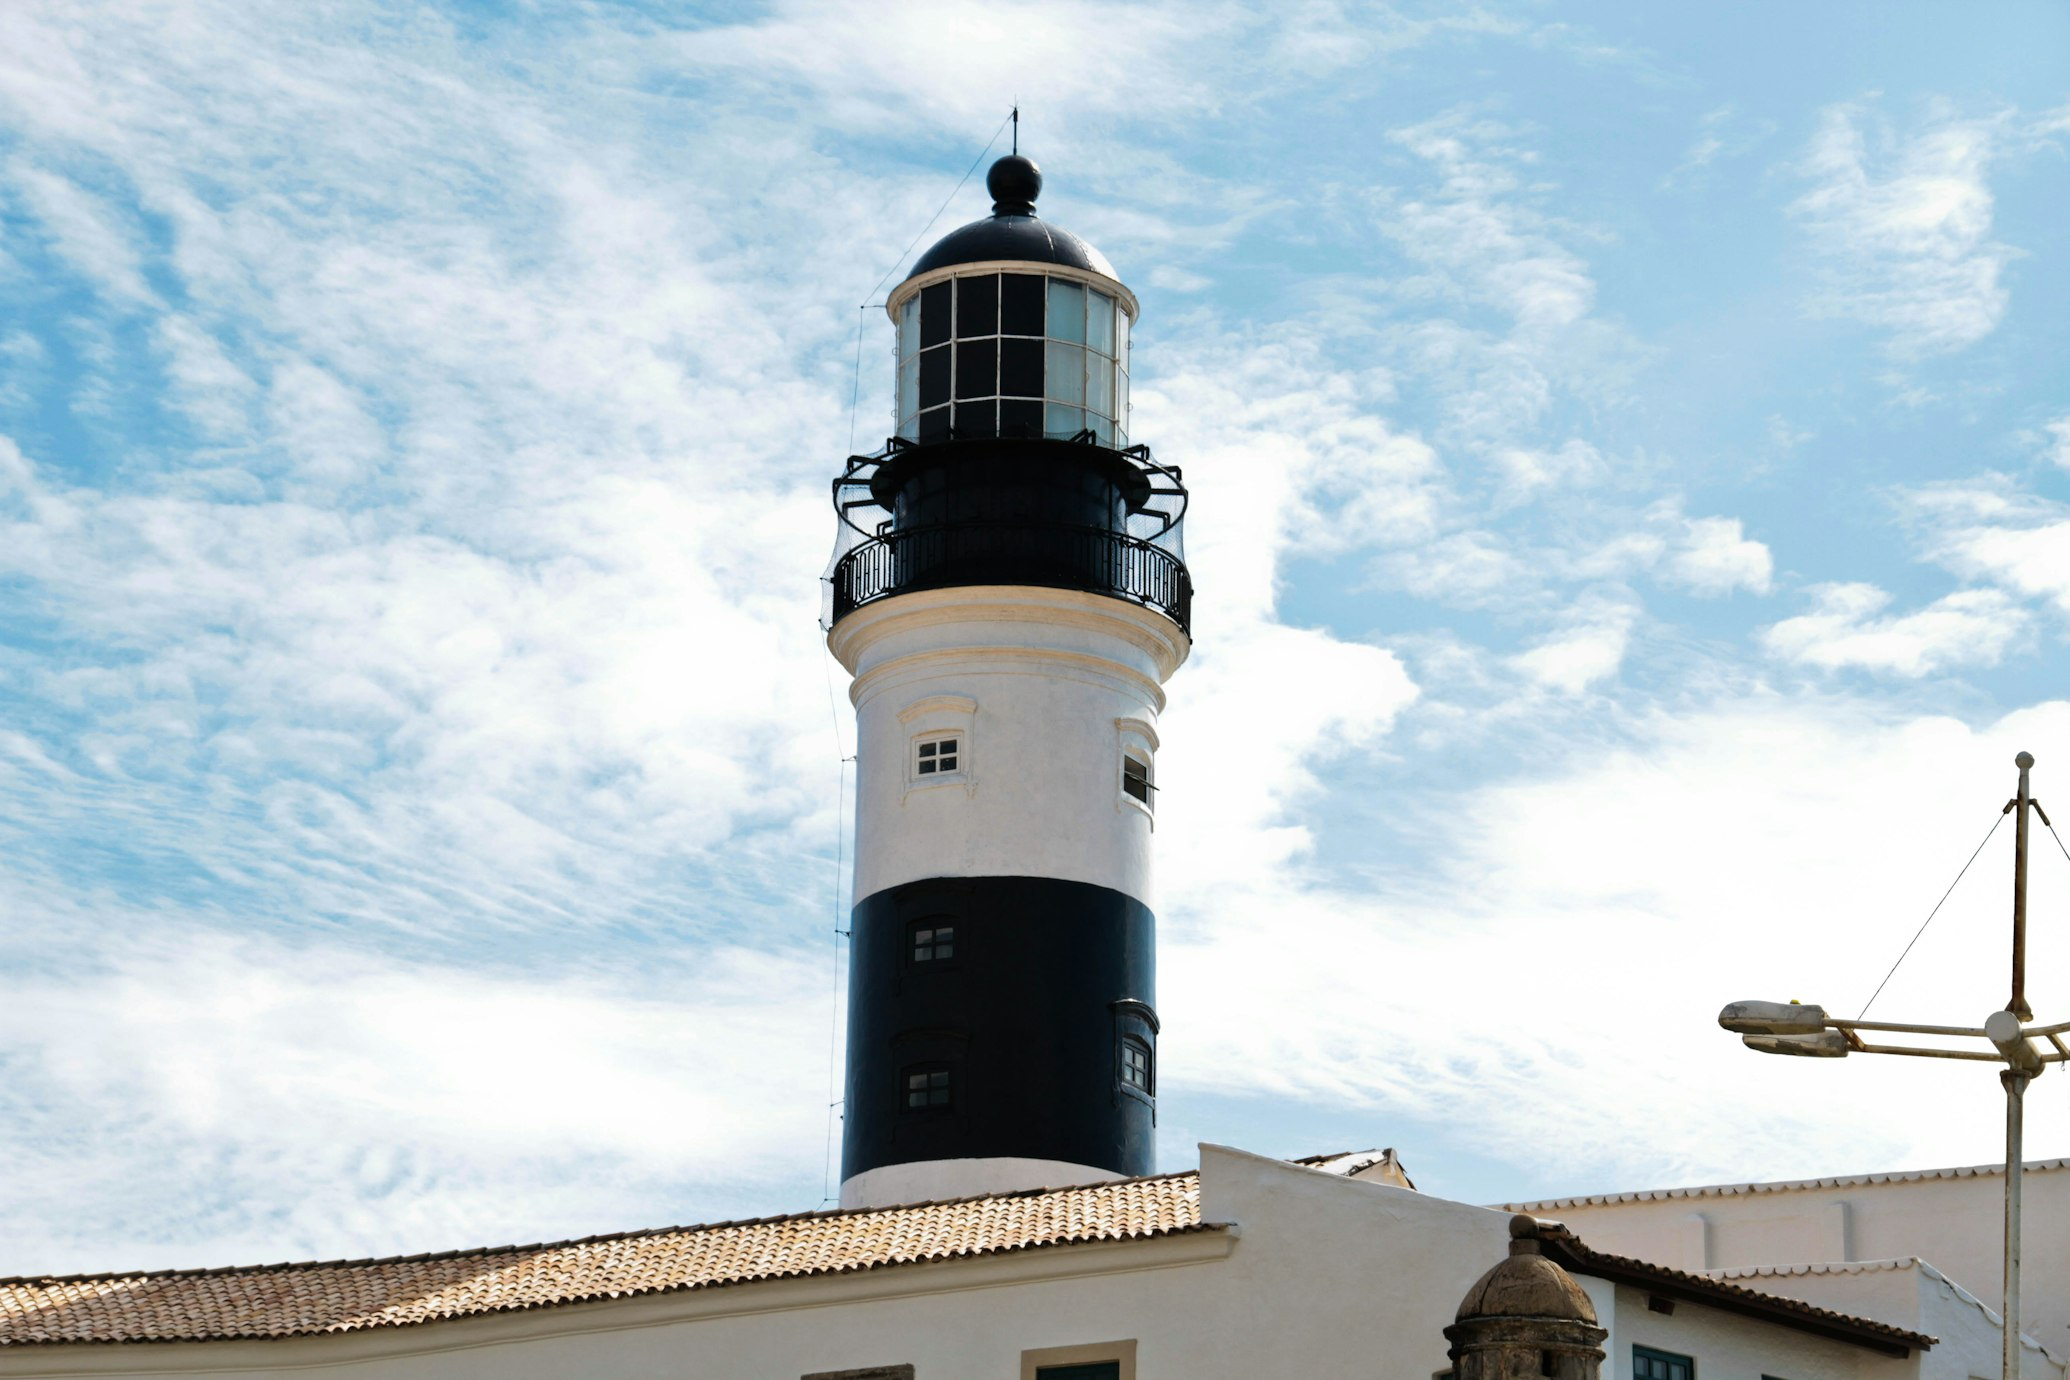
(1121, 1355)
(932, 723)
(1136, 742)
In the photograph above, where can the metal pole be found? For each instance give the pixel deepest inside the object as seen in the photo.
(2019, 1005)
(2015, 1092)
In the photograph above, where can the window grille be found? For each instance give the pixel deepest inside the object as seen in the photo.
(1012, 354)
(928, 1088)
(1648, 1364)
(937, 756)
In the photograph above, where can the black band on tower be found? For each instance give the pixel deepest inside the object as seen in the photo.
(1025, 1031)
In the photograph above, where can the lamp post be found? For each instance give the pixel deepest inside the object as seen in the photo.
(1808, 1032)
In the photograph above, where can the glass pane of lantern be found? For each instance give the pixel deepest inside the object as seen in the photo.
(1099, 384)
(977, 419)
(1062, 423)
(934, 315)
(977, 368)
(1121, 399)
(1103, 428)
(1066, 310)
(1064, 375)
(908, 387)
(934, 376)
(1020, 304)
(977, 306)
(934, 426)
(1020, 418)
(1020, 368)
(909, 327)
(1099, 322)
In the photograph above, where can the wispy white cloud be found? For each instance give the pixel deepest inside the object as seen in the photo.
(1588, 649)
(345, 1102)
(1968, 628)
(2057, 447)
(1903, 226)
(1747, 817)
(1716, 556)
(1993, 531)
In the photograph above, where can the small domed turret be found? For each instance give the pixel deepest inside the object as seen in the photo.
(1526, 1317)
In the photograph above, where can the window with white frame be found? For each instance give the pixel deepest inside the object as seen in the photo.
(1012, 354)
(1135, 778)
(938, 756)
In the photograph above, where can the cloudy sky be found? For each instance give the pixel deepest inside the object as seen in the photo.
(1631, 471)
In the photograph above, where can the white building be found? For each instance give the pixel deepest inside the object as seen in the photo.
(1864, 1242)
(1248, 1267)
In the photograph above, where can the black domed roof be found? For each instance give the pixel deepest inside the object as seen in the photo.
(1013, 231)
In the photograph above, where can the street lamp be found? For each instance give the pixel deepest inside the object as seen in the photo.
(1793, 1028)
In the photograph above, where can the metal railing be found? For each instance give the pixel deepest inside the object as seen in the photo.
(1093, 559)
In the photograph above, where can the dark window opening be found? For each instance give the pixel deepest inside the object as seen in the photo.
(928, 1088)
(1020, 304)
(1135, 779)
(1136, 1069)
(1023, 419)
(977, 369)
(1091, 1370)
(937, 756)
(1020, 368)
(934, 315)
(1648, 1364)
(977, 306)
(933, 942)
(934, 378)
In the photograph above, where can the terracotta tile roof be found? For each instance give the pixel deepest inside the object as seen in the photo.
(1569, 1252)
(1901, 1176)
(346, 1295)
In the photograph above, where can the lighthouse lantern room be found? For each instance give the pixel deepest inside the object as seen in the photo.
(1010, 595)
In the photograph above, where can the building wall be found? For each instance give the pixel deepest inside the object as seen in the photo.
(1955, 1224)
(1726, 1346)
(1968, 1328)
(1324, 1277)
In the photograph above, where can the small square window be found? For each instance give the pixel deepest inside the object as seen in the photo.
(1135, 1065)
(937, 756)
(933, 943)
(928, 1089)
(1135, 779)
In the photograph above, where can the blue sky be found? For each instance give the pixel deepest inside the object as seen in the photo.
(1631, 519)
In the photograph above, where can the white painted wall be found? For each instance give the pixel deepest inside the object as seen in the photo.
(1048, 686)
(928, 1181)
(1328, 1278)
(1726, 1346)
(1953, 1223)
(1913, 1294)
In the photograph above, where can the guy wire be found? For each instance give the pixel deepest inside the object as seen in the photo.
(1930, 915)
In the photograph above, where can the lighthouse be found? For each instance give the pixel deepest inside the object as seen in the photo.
(1009, 594)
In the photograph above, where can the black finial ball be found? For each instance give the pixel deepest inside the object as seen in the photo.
(1014, 183)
